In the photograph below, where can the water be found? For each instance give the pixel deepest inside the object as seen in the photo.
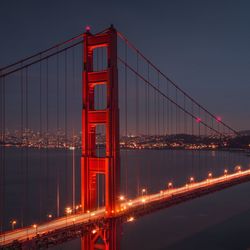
(217, 221)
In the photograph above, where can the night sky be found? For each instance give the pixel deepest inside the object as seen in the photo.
(202, 45)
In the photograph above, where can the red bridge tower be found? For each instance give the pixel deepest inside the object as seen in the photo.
(91, 164)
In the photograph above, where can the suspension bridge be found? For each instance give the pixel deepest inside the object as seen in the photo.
(79, 123)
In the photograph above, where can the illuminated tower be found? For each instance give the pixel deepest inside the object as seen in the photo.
(91, 164)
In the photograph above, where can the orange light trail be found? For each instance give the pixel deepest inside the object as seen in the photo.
(126, 207)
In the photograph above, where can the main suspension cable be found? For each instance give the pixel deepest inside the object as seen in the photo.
(167, 97)
(173, 83)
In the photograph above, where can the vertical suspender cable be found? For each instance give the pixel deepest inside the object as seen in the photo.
(176, 112)
(22, 146)
(193, 137)
(66, 126)
(73, 131)
(207, 139)
(26, 146)
(185, 157)
(148, 100)
(164, 117)
(167, 131)
(4, 149)
(126, 119)
(2, 160)
(47, 136)
(57, 131)
(41, 140)
(1, 155)
(137, 119)
(98, 105)
(171, 126)
(200, 141)
(155, 113)
(176, 132)
(168, 111)
(104, 98)
(158, 107)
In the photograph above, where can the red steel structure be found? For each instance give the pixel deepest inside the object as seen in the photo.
(107, 238)
(91, 163)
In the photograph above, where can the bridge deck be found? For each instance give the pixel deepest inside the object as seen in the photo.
(85, 222)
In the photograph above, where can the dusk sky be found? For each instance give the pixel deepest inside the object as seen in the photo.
(202, 45)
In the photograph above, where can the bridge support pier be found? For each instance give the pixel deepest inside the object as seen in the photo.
(107, 238)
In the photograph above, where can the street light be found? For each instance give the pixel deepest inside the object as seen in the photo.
(238, 168)
(130, 203)
(170, 185)
(130, 219)
(35, 227)
(122, 198)
(72, 148)
(68, 210)
(143, 191)
(13, 223)
(225, 172)
(210, 175)
(50, 216)
(191, 179)
(88, 212)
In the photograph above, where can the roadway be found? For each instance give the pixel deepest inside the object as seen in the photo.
(128, 208)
